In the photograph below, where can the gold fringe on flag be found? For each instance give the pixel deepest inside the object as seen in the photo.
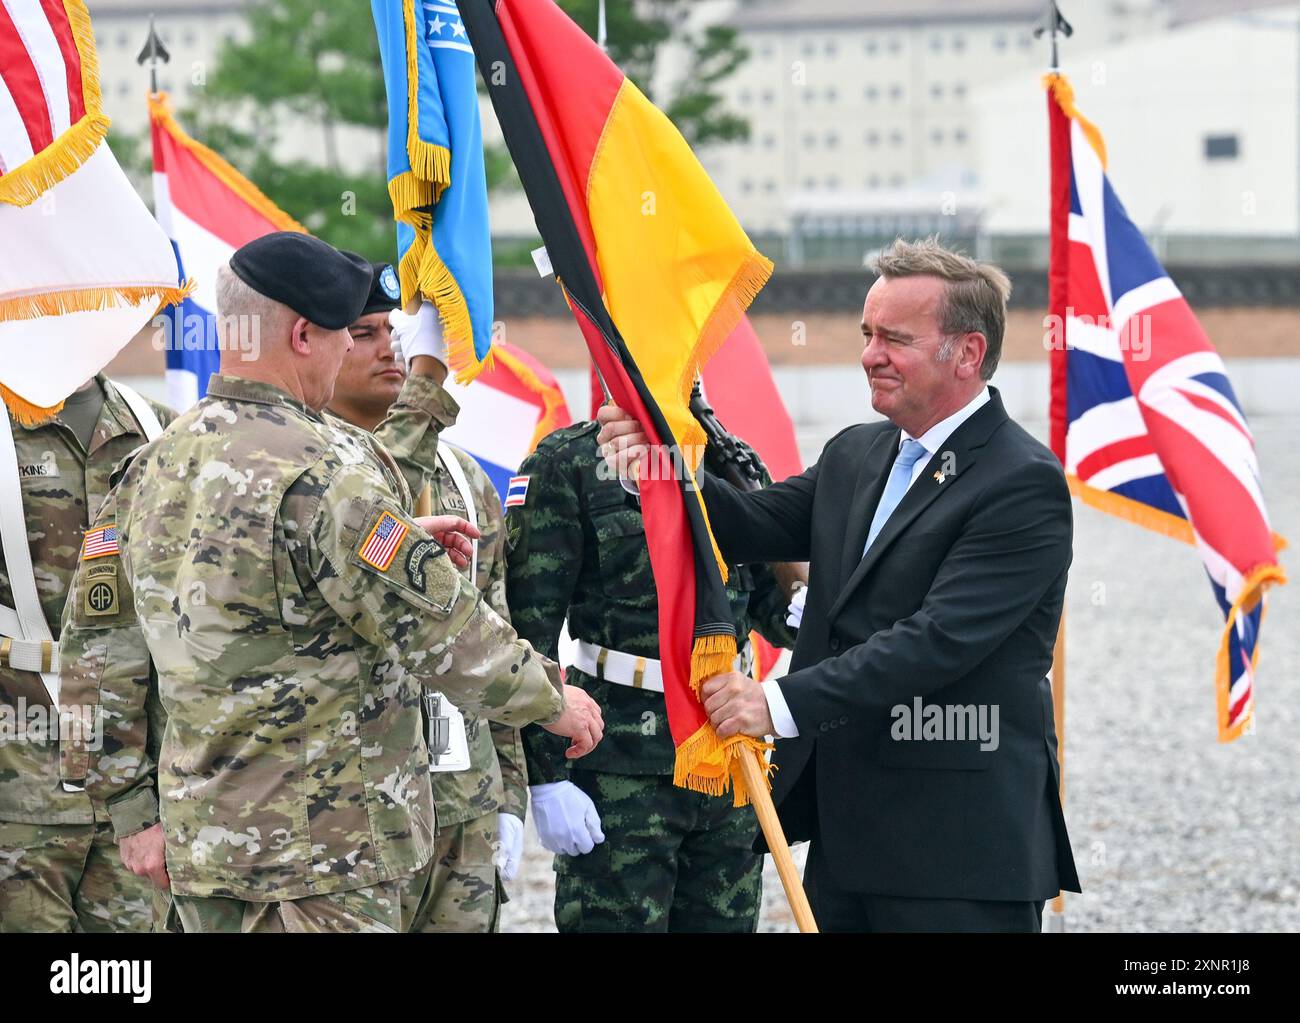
(1063, 92)
(429, 162)
(437, 283)
(23, 185)
(1257, 581)
(704, 762)
(553, 401)
(160, 111)
(27, 182)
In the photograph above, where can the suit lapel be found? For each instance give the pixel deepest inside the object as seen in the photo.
(872, 478)
(968, 437)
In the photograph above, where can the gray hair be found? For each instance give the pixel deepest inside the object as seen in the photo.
(975, 296)
(239, 304)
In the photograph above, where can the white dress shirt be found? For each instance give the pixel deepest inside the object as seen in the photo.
(932, 440)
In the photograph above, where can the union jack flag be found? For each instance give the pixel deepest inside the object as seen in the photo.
(99, 543)
(1144, 417)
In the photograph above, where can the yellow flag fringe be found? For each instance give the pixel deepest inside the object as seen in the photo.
(222, 170)
(1252, 592)
(80, 300)
(23, 410)
(429, 162)
(704, 762)
(27, 182)
(436, 282)
(1063, 92)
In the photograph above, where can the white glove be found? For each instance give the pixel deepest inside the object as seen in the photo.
(420, 334)
(794, 613)
(567, 821)
(510, 845)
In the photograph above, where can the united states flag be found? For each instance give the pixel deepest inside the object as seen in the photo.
(99, 542)
(1144, 417)
(383, 541)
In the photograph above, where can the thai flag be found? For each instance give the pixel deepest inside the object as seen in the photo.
(504, 413)
(208, 210)
(1144, 417)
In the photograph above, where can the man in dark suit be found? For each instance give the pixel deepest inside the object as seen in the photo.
(915, 740)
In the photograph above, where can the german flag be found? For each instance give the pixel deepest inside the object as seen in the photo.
(657, 272)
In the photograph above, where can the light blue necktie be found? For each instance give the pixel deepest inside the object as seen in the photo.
(900, 477)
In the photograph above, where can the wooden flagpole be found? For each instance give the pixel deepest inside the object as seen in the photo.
(756, 782)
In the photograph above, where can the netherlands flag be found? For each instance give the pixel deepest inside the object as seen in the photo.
(1144, 417)
(208, 210)
(509, 407)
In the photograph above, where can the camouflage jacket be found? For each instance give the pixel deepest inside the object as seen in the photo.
(577, 547)
(496, 779)
(63, 486)
(268, 568)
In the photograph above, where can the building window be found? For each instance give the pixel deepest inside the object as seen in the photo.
(830, 48)
(896, 181)
(896, 137)
(769, 186)
(936, 136)
(832, 139)
(873, 181)
(831, 95)
(999, 42)
(895, 44)
(809, 140)
(189, 37)
(1024, 42)
(1221, 147)
(959, 136)
(747, 186)
(810, 184)
(959, 90)
(769, 141)
(765, 51)
(936, 44)
(936, 91)
(769, 96)
(958, 44)
(873, 138)
(872, 93)
(871, 46)
(832, 182)
(744, 96)
(124, 88)
(121, 40)
(809, 48)
(895, 92)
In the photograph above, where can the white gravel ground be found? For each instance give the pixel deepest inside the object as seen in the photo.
(1171, 830)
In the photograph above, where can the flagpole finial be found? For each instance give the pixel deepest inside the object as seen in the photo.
(153, 53)
(602, 32)
(1052, 26)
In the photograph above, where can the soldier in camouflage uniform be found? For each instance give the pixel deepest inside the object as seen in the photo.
(671, 859)
(466, 889)
(261, 558)
(59, 867)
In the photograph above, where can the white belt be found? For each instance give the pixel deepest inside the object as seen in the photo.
(630, 670)
(30, 655)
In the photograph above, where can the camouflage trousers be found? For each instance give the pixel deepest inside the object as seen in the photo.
(467, 891)
(390, 907)
(70, 877)
(672, 860)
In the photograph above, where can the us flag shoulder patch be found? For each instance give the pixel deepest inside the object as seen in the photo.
(383, 541)
(517, 492)
(99, 543)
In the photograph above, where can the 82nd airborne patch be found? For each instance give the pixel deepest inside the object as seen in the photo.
(101, 590)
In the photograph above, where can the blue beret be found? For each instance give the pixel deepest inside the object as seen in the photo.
(321, 284)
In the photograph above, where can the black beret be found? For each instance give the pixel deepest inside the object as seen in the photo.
(321, 284)
(385, 291)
